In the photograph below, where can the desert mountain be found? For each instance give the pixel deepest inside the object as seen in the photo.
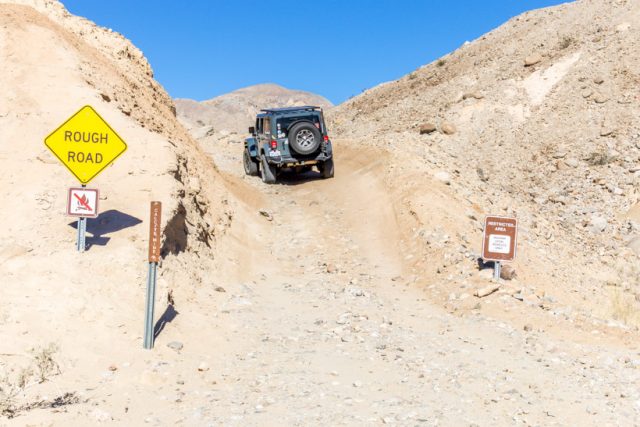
(235, 111)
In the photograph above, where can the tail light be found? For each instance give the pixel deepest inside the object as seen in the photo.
(326, 138)
(274, 144)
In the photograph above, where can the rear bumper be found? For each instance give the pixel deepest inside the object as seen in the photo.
(288, 161)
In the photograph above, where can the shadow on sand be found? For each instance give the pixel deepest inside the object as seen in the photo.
(169, 314)
(107, 222)
(292, 178)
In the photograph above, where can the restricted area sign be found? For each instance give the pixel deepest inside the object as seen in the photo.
(85, 144)
(500, 235)
(83, 202)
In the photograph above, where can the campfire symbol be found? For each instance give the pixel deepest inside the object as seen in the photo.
(83, 203)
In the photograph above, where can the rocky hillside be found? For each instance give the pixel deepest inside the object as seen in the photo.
(537, 119)
(235, 111)
(52, 64)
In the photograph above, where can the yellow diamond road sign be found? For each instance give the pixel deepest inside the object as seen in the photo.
(85, 144)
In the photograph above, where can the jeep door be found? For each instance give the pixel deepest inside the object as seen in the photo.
(266, 135)
(259, 136)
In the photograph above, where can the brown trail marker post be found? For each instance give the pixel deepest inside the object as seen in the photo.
(499, 241)
(155, 240)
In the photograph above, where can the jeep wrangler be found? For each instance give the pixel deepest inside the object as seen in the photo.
(288, 138)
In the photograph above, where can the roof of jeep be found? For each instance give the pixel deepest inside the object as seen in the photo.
(291, 109)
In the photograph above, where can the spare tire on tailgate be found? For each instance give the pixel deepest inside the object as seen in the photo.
(304, 138)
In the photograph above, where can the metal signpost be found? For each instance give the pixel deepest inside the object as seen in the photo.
(82, 203)
(82, 232)
(86, 145)
(155, 240)
(499, 241)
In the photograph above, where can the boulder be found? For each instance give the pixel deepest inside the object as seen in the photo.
(633, 214)
(600, 98)
(484, 176)
(427, 128)
(571, 162)
(532, 59)
(443, 176)
(634, 245)
(448, 128)
(507, 272)
(265, 213)
(487, 290)
(475, 95)
(607, 128)
(598, 224)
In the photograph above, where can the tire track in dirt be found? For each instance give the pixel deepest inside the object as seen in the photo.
(305, 346)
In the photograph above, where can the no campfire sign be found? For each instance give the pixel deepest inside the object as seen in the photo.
(499, 242)
(83, 202)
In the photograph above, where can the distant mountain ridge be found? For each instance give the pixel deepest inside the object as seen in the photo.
(235, 111)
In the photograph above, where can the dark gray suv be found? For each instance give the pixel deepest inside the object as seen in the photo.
(292, 138)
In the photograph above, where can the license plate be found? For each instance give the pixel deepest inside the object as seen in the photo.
(274, 153)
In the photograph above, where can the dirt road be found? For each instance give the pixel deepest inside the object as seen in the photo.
(313, 316)
(321, 327)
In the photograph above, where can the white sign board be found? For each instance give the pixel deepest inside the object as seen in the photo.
(83, 202)
(499, 243)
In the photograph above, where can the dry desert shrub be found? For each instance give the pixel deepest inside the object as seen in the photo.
(10, 388)
(15, 380)
(45, 365)
(624, 307)
(600, 157)
(566, 42)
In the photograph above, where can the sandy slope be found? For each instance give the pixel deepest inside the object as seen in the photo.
(553, 143)
(91, 305)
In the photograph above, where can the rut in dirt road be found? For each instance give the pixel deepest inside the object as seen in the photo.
(324, 329)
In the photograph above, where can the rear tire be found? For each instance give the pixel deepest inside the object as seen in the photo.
(267, 172)
(250, 165)
(304, 138)
(326, 168)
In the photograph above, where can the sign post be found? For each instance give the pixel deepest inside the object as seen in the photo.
(499, 241)
(497, 270)
(82, 203)
(155, 240)
(82, 231)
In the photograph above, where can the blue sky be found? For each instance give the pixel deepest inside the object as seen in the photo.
(337, 48)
